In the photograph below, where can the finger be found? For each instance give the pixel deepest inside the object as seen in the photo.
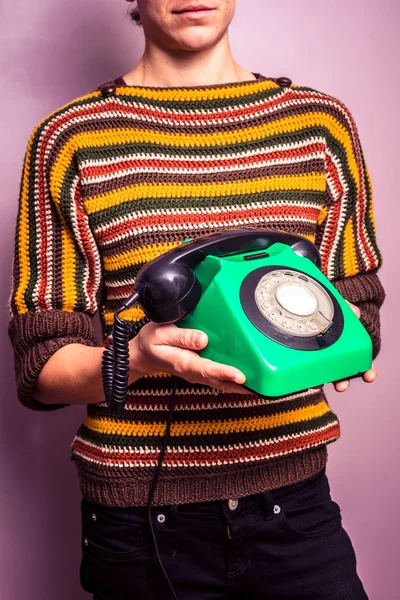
(191, 339)
(207, 371)
(370, 375)
(342, 386)
(214, 370)
(354, 308)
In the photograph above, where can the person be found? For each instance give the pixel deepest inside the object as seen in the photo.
(189, 143)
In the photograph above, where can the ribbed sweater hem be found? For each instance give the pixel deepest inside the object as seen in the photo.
(237, 483)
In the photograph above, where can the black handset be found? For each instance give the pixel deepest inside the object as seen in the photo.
(167, 288)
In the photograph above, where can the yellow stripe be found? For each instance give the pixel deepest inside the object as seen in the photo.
(110, 427)
(137, 256)
(323, 213)
(310, 237)
(69, 283)
(23, 234)
(126, 136)
(350, 263)
(132, 314)
(371, 213)
(312, 182)
(193, 95)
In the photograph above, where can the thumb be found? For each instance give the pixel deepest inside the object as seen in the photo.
(354, 308)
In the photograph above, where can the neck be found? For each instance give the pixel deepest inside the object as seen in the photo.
(161, 68)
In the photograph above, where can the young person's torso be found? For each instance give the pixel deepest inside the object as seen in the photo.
(149, 168)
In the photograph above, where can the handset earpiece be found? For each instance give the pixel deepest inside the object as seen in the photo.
(168, 291)
(304, 247)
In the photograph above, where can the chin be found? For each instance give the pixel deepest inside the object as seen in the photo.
(196, 40)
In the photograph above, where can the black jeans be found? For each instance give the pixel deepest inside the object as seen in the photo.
(288, 544)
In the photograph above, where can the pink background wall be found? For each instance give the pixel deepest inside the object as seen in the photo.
(51, 52)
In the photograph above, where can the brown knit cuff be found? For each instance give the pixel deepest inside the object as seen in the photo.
(365, 291)
(36, 337)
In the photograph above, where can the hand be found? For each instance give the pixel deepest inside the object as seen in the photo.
(170, 349)
(368, 376)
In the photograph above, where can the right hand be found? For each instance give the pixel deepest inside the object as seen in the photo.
(170, 349)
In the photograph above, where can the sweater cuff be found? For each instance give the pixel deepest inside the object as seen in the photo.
(366, 292)
(35, 338)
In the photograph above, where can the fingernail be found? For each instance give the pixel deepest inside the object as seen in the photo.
(199, 339)
(240, 379)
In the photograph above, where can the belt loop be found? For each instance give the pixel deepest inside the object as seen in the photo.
(267, 503)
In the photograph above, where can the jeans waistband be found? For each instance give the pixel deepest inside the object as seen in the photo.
(263, 501)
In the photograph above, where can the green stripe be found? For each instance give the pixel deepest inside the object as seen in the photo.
(201, 152)
(33, 227)
(155, 442)
(67, 209)
(207, 105)
(151, 204)
(211, 414)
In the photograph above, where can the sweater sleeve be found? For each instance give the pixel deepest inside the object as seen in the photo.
(56, 269)
(346, 234)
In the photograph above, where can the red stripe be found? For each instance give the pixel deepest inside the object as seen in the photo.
(307, 152)
(362, 196)
(149, 113)
(84, 233)
(114, 230)
(334, 213)
(261, 451)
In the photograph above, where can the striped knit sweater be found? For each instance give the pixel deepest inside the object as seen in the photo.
(123, 174)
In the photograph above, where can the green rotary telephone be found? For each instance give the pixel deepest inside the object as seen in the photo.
(265, 305)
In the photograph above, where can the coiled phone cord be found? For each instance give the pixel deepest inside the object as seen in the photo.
(115, 362)
(154, 486)
(115, 375)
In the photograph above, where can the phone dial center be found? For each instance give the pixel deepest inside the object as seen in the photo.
(296, 299)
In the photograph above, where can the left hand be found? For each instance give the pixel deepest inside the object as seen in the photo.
(368, 376)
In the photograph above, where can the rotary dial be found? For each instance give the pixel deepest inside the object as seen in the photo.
(294, 303)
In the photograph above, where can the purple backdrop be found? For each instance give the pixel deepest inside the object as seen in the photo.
(51, 52)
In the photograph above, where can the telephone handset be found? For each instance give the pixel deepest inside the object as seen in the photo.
(167, 286)
(264, 303)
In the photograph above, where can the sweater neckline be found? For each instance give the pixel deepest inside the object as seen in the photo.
(120, 82)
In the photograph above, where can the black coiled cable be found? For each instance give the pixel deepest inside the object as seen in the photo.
(115, 362)
(115, 375)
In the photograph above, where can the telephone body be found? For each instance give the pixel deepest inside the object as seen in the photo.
(265, 305)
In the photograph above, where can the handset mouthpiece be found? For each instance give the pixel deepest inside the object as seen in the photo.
(129, 302)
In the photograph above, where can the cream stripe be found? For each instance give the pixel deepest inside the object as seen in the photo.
(340, 222)
(176, 170)
(210, 210)
(312, 182)
(209, 224)
(244, 449)
(189, 158)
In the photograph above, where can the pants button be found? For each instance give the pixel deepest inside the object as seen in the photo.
(277, 509)
(233, 503)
